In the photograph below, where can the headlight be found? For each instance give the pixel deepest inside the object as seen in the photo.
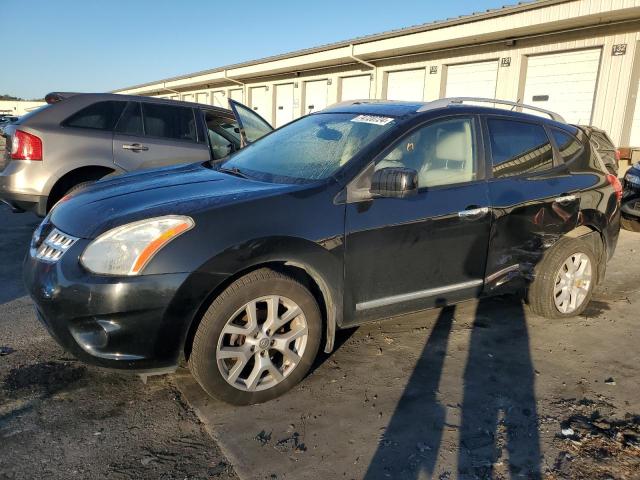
(126, 250)
(632, 179)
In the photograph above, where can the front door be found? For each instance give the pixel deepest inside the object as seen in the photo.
(252, 125)
(405, 254)
(150, 135)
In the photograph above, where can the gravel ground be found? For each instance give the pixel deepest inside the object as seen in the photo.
(60, 419)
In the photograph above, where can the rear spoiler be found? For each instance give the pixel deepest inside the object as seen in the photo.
(55, 97)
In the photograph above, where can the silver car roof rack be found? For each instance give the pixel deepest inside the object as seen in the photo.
(445, 102)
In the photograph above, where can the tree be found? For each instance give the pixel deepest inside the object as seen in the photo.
(9, 97)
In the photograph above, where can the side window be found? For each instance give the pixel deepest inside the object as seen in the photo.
(568, 146)
(97, 116)
(165, 121)
(443, 153)
(224, 136)
(130, 122)
(518, 148)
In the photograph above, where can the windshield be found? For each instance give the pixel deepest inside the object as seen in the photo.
(313, 148)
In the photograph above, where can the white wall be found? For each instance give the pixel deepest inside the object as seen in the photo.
(17, 108)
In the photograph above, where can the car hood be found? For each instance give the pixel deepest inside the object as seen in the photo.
(182, 190)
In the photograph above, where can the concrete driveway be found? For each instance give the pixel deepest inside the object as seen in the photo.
(480, 390)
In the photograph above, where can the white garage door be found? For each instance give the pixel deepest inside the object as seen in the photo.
(219, 99)
(259, 101)
(564, 83)
(284, 104)
(355, 88)
(236, 94)
(472, 80)
(202, 97)
(315, 95)
(406, 85)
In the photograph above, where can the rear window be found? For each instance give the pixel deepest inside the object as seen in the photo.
(518, 148)
(175, 123)
(568, 147)
(97, 116)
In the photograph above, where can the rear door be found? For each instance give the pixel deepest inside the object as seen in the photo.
(252, 125)
(535, 198)
(151, 135)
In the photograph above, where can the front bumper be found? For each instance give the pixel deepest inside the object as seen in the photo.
(136, 323)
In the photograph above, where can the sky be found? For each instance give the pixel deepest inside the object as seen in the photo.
(92, 45)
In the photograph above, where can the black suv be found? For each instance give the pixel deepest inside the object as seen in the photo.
(360, 212)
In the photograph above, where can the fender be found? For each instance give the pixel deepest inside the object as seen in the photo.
(321, 261)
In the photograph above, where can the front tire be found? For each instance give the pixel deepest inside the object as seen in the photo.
(564, 280)
(257, 340)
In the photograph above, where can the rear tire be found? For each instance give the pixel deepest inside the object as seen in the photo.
(564, 280)
(244, 353)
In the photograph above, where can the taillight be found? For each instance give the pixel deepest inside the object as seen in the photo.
(615, 183)
(25, 146)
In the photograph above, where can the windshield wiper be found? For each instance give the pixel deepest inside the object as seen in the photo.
(233, 171)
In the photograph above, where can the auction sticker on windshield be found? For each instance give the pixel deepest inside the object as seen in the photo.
(375, 119)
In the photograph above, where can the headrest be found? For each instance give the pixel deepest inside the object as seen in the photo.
(454, 145)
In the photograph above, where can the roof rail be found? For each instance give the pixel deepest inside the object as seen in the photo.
(445, 102)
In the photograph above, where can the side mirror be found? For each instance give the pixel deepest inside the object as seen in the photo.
(394, 182)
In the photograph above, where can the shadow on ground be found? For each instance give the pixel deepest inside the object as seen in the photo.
(15, 234)
(498, 428)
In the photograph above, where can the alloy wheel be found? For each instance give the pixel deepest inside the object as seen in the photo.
(262, 343)
(572, 283)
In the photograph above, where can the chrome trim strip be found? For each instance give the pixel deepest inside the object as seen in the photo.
(502, 272)
(405, 297)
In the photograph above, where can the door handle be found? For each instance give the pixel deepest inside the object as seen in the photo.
(473, 213)
(135, 147)
(565, 199)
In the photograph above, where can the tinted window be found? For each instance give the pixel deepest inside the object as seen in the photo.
(568, 146)
(176, 123)
(518, 147)
(130, 122)
(98, 116)
(443, 153)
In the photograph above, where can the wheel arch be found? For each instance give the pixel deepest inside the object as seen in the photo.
(598, 241)
(73, 177)
(318, 283)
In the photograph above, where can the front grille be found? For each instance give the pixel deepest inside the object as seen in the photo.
(54, 246)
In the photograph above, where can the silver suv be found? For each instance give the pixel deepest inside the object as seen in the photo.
(76, 139)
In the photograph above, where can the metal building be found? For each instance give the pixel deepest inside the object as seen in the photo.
(577, 57)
